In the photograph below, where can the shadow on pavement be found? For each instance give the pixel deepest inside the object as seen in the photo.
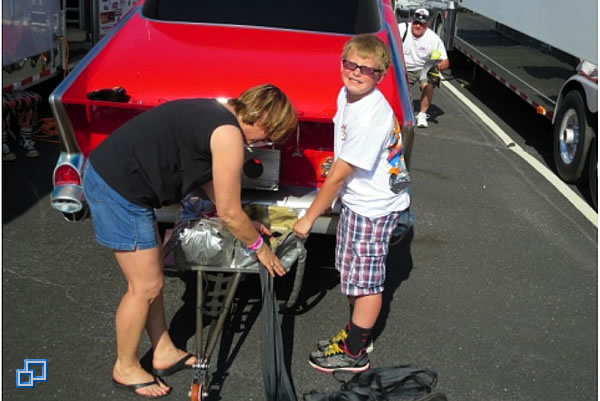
(434, 111)
(320, 275)
(398, 266)
(26, 181)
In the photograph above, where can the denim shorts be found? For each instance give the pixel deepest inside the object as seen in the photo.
(118, 223)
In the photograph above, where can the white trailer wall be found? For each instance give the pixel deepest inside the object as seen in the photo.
(571, 26)
(27, 28)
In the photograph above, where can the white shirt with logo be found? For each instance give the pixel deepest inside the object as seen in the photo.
(418, 50)
(363, 131)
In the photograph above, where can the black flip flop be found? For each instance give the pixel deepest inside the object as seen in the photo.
(176, 367)
(133, 387)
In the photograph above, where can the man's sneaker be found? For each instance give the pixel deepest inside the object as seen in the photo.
(336, 358)
(422, 120)
(340, 336)
(27, 145)
(7, 154)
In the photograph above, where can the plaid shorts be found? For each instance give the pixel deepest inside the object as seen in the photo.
(361, 251)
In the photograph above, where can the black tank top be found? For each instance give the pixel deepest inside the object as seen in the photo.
(161, 155)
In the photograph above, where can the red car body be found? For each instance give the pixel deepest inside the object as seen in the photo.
(157, 61)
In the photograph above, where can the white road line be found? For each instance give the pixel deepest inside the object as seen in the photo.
(563, 188)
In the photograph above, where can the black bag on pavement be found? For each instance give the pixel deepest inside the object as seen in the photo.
(400, 383)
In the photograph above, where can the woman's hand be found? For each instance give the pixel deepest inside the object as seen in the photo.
(302, 227)
(262, 230)
(269, 260)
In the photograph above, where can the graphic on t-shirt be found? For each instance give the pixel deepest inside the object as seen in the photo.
(399, 177)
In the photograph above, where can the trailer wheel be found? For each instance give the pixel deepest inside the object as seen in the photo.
(439, 28)
(572, 136)
(593, 173)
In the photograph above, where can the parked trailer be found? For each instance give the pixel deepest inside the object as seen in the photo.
(42, 39)
(31, 42)
(545, 52)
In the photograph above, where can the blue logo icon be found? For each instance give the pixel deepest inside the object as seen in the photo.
(27, 376)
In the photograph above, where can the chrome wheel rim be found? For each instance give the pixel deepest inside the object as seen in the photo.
(570, 136)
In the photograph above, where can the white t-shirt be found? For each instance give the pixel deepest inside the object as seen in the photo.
(363, 131)
(418, 50)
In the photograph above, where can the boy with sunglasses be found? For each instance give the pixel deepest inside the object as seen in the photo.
(368, 161)
(420, 44)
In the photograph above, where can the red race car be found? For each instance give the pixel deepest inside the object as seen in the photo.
(171, 49)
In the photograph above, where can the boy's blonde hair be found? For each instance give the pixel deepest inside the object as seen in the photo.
(369, 46)
(267, 106)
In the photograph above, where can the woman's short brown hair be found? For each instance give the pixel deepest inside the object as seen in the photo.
(267, 106)
(368, 46)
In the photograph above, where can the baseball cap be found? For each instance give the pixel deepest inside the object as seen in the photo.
(421, 15)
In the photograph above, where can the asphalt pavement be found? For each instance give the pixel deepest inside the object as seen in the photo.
(496, 288)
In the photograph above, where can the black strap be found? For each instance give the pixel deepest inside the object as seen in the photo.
(294, 246)
(382, 384)
(405, 32)
(436, 396)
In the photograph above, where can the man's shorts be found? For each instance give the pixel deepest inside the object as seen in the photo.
(118, 223)
(361, 251)
(414, 77)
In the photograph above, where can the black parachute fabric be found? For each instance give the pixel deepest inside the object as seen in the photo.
(277, 383)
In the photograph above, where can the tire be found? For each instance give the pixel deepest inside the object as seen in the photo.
(439, 28)
(593, 173)
(572, 137)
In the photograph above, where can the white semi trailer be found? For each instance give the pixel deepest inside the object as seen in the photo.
(32, 48)
(43, 38)
(546, 52)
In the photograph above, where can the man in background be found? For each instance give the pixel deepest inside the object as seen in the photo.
(423, 52)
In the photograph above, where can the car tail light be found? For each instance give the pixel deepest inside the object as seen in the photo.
(66, 174)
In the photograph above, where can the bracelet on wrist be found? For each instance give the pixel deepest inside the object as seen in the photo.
(257, 244)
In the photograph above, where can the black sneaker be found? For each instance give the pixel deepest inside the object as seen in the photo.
(7, 154)
(27, 144)
(336, 358)
(340, 336)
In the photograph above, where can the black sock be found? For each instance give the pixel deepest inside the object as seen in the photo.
(351, 310)
(357, 339)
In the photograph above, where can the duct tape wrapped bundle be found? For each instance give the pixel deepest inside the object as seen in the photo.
(205, 242)
(201, 239)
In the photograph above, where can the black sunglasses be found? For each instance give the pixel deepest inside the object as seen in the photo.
(370, 71)
(417, 22)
